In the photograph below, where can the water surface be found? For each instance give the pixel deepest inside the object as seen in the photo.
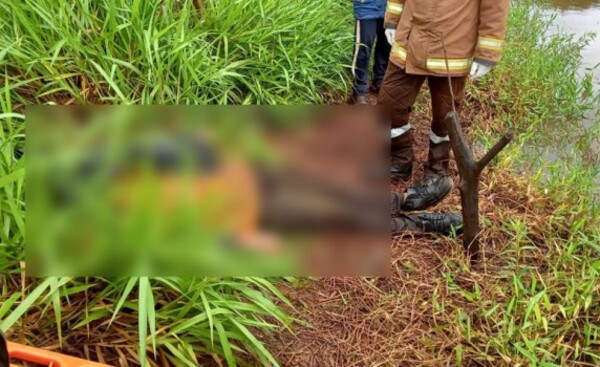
(581, 17)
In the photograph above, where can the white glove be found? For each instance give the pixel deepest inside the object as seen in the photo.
(390, 34)
(478, 70)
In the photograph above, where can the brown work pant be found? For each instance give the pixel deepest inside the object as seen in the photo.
(398, 94)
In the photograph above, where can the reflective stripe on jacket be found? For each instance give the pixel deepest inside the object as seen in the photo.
(469, 29)
(369, 9)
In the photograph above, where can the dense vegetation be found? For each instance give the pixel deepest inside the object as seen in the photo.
(541, 306)
(175, 52)
(154, 52)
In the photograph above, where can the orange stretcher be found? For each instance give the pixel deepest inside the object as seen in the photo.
(16, 353)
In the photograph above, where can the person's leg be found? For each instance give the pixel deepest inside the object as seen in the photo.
(437, 184)
(439, 141)
(398, 94)
(366, 31)
(382, 57)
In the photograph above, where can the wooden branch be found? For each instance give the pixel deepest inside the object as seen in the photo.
(470, 171)
(487, 158)
(462, 153)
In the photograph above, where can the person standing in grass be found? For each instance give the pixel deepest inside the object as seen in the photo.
(369, 16)
(435, 40)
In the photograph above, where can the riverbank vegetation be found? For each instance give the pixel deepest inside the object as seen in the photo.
(534, 300)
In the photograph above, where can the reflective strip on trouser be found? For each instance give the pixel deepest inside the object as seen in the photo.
(396, 132)
(493, 44)
(394, 8)
(436, 139)
(452, 64)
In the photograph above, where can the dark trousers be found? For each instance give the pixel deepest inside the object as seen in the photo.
(369, 33)
(398, 94)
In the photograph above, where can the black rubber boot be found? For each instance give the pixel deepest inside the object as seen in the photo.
(401, 171)
(444, 224)
(438, 159)
(430, 192)
(402, 157)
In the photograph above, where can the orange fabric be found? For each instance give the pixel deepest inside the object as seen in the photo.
(231, 195)
(43, 357)
(470, 29)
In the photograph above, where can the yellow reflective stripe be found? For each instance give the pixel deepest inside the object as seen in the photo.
(393, 8)
(453, 64)
(399, 51)
(490, 43)
(435, 64)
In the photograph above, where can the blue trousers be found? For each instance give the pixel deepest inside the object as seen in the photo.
(369, 34)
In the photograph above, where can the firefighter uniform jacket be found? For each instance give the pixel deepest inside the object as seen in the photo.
(430, 31)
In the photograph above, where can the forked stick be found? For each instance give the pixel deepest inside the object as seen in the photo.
(469, 170)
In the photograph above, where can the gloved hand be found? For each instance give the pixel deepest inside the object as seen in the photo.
(390, 35)
(478, 70)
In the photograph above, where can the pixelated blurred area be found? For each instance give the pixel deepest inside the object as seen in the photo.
(207, 190)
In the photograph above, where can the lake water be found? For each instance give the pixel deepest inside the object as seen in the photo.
(581, 17)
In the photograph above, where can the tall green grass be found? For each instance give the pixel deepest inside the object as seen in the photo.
(12, 189)
(541, 313)
(176, 319)
(180, 320)
(155, 52)
(168, 52)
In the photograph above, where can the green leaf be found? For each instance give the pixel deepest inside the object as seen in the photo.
(225, 344)
(9, 321)
(257, 344)
(132, 281)
(143, 317)
(208, 314)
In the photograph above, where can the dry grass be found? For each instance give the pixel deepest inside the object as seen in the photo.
(411, 318)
